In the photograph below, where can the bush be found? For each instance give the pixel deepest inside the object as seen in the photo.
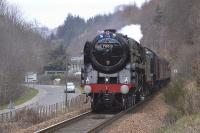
(172, 116)
(192, 99)
(184, 98)
(196, 71)
(174, 93)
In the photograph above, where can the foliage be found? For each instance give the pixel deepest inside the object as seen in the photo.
(22, 49)
(57, 59)
(174, 93)
(184, 98)
(76, 31)
(174, 24)
(172, 116)
(72, 27)
(196, 71)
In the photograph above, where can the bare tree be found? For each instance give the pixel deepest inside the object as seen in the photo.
(22, 49)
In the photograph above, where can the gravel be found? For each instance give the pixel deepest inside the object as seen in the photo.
(147, 118)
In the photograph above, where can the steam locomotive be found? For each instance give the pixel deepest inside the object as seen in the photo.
(118, 72)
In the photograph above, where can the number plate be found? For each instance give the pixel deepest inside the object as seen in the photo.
(108, 46)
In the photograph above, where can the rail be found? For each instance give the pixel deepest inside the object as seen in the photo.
(98, 127)
(108, 122)
(63, 123)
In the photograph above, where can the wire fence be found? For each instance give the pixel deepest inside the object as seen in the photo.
(44, 112)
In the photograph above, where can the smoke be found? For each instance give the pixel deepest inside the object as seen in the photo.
(132, 31)
(140, 3)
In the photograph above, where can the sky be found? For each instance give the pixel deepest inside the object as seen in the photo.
(52, 13)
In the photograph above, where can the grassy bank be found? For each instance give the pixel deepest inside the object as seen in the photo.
(26, 96)
(187, 124)
(184, 100)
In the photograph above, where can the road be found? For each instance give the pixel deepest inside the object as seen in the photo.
(51, 94)
(48, 95)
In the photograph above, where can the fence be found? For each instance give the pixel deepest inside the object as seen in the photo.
(45, 112)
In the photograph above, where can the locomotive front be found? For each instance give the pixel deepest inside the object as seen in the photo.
(106, 76)
(109, 52)
(118, 71)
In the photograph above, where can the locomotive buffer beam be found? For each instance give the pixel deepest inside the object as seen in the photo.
(105, 99)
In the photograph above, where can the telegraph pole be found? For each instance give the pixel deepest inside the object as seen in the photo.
(66, 78)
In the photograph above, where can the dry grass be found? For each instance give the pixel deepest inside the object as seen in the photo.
(187, 124)
(55, 120)
(183, 115)
(183, 96)
(28, 117)
(23, 119)
(29, 121)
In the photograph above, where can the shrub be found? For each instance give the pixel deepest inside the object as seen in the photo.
(172, 116)
(192, 99)
(196, 71)
(174, 93)
(184, 98)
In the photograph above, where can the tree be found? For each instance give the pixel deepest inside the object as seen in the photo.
(57, 61)
(72, 27)
(22, 49)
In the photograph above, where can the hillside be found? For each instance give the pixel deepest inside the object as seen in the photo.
(174, 25)
(171, 29)
(75, 31)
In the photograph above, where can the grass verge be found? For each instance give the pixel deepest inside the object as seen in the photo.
(26, 96)
(187, 124)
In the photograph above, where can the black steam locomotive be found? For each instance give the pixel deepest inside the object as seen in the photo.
(118, 71)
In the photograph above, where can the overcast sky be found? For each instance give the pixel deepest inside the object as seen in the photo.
(52, 13)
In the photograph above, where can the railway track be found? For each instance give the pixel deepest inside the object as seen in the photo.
(89, 122)
(108, 122)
